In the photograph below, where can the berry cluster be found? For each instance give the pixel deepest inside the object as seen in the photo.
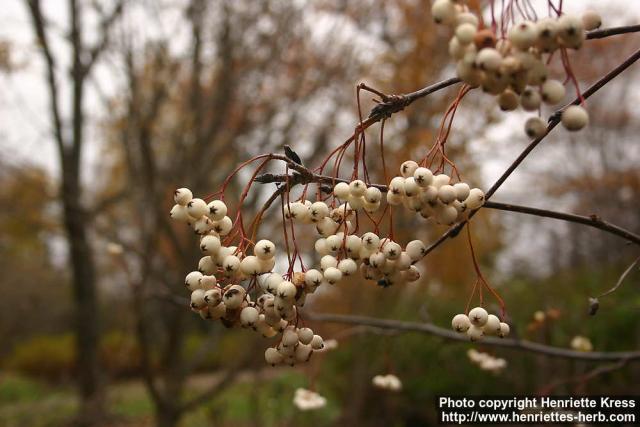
(486, 362)
(344, 253)
(308, 400)
(478, 324)
(273, 312)
(514, 66)
(387, 382)
(418, 190)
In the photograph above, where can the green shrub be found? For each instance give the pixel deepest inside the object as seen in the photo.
(120, 354)
(51, 357)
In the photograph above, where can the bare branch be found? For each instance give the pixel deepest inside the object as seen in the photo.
(621, 279)
(614, 31)
(105, 29)
(591, 220)
(428, 328)
(39, 25)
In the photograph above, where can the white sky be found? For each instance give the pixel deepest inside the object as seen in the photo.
(24, 119)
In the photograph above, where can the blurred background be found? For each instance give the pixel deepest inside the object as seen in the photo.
(109, 106)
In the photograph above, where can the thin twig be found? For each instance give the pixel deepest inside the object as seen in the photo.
(621, 279)
(606, 32)
(428, 328)
(591, 220)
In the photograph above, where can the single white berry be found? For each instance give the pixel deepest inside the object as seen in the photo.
(423, 177)
(332, 275)
(492, 327)
(462, 191)
(326, 226)
(396, 186)
(273, 357)
(286, 290)
(341, 190)
(217, 210)
(208, 282)
(377, 260)
(352, 245)
(530, 99)
(403, 262)
(391, 250)
(552, 91)
(296, 211)
(575, 118)
(370, 240)
(321, 247)
(213, 297)
(318, 210)
(394, 199)
(478, 316)
(202, 225)
(465, 33)
(231, 265)
(223, 227)
(234, 296)
(270, 283)
(415, 249)
(523, 35)
(264, 249)
(347, 267)
(356, 202)
(446, 194)
(289, 338)
(460, 323)
(249, 317)
(443, 12)
(303, 352)
(207, 265)
(535, 127)
(488, 59)
(475, 333)
(467, 18)
(197, 208)
(475, 199)
(357, 188)
(412, 274)
(504, 330)
(408, 168)
(210, 244)
(334, 243)
(182, 196)
(180, 213)
(305, 335)
(317, 343)
(371, 207)
(313, 278)
(411, 187)
(328, 261)
(192, 281)
(591, 20)
(250, 265)
(508, 100)
(197, 300)
(372, 195)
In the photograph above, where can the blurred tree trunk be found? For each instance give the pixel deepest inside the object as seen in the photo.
(76, 220)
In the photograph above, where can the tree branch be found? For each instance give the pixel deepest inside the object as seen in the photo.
(428, 328)
(39, 25)
(606, 32)
(105, 26)
(591, 220)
